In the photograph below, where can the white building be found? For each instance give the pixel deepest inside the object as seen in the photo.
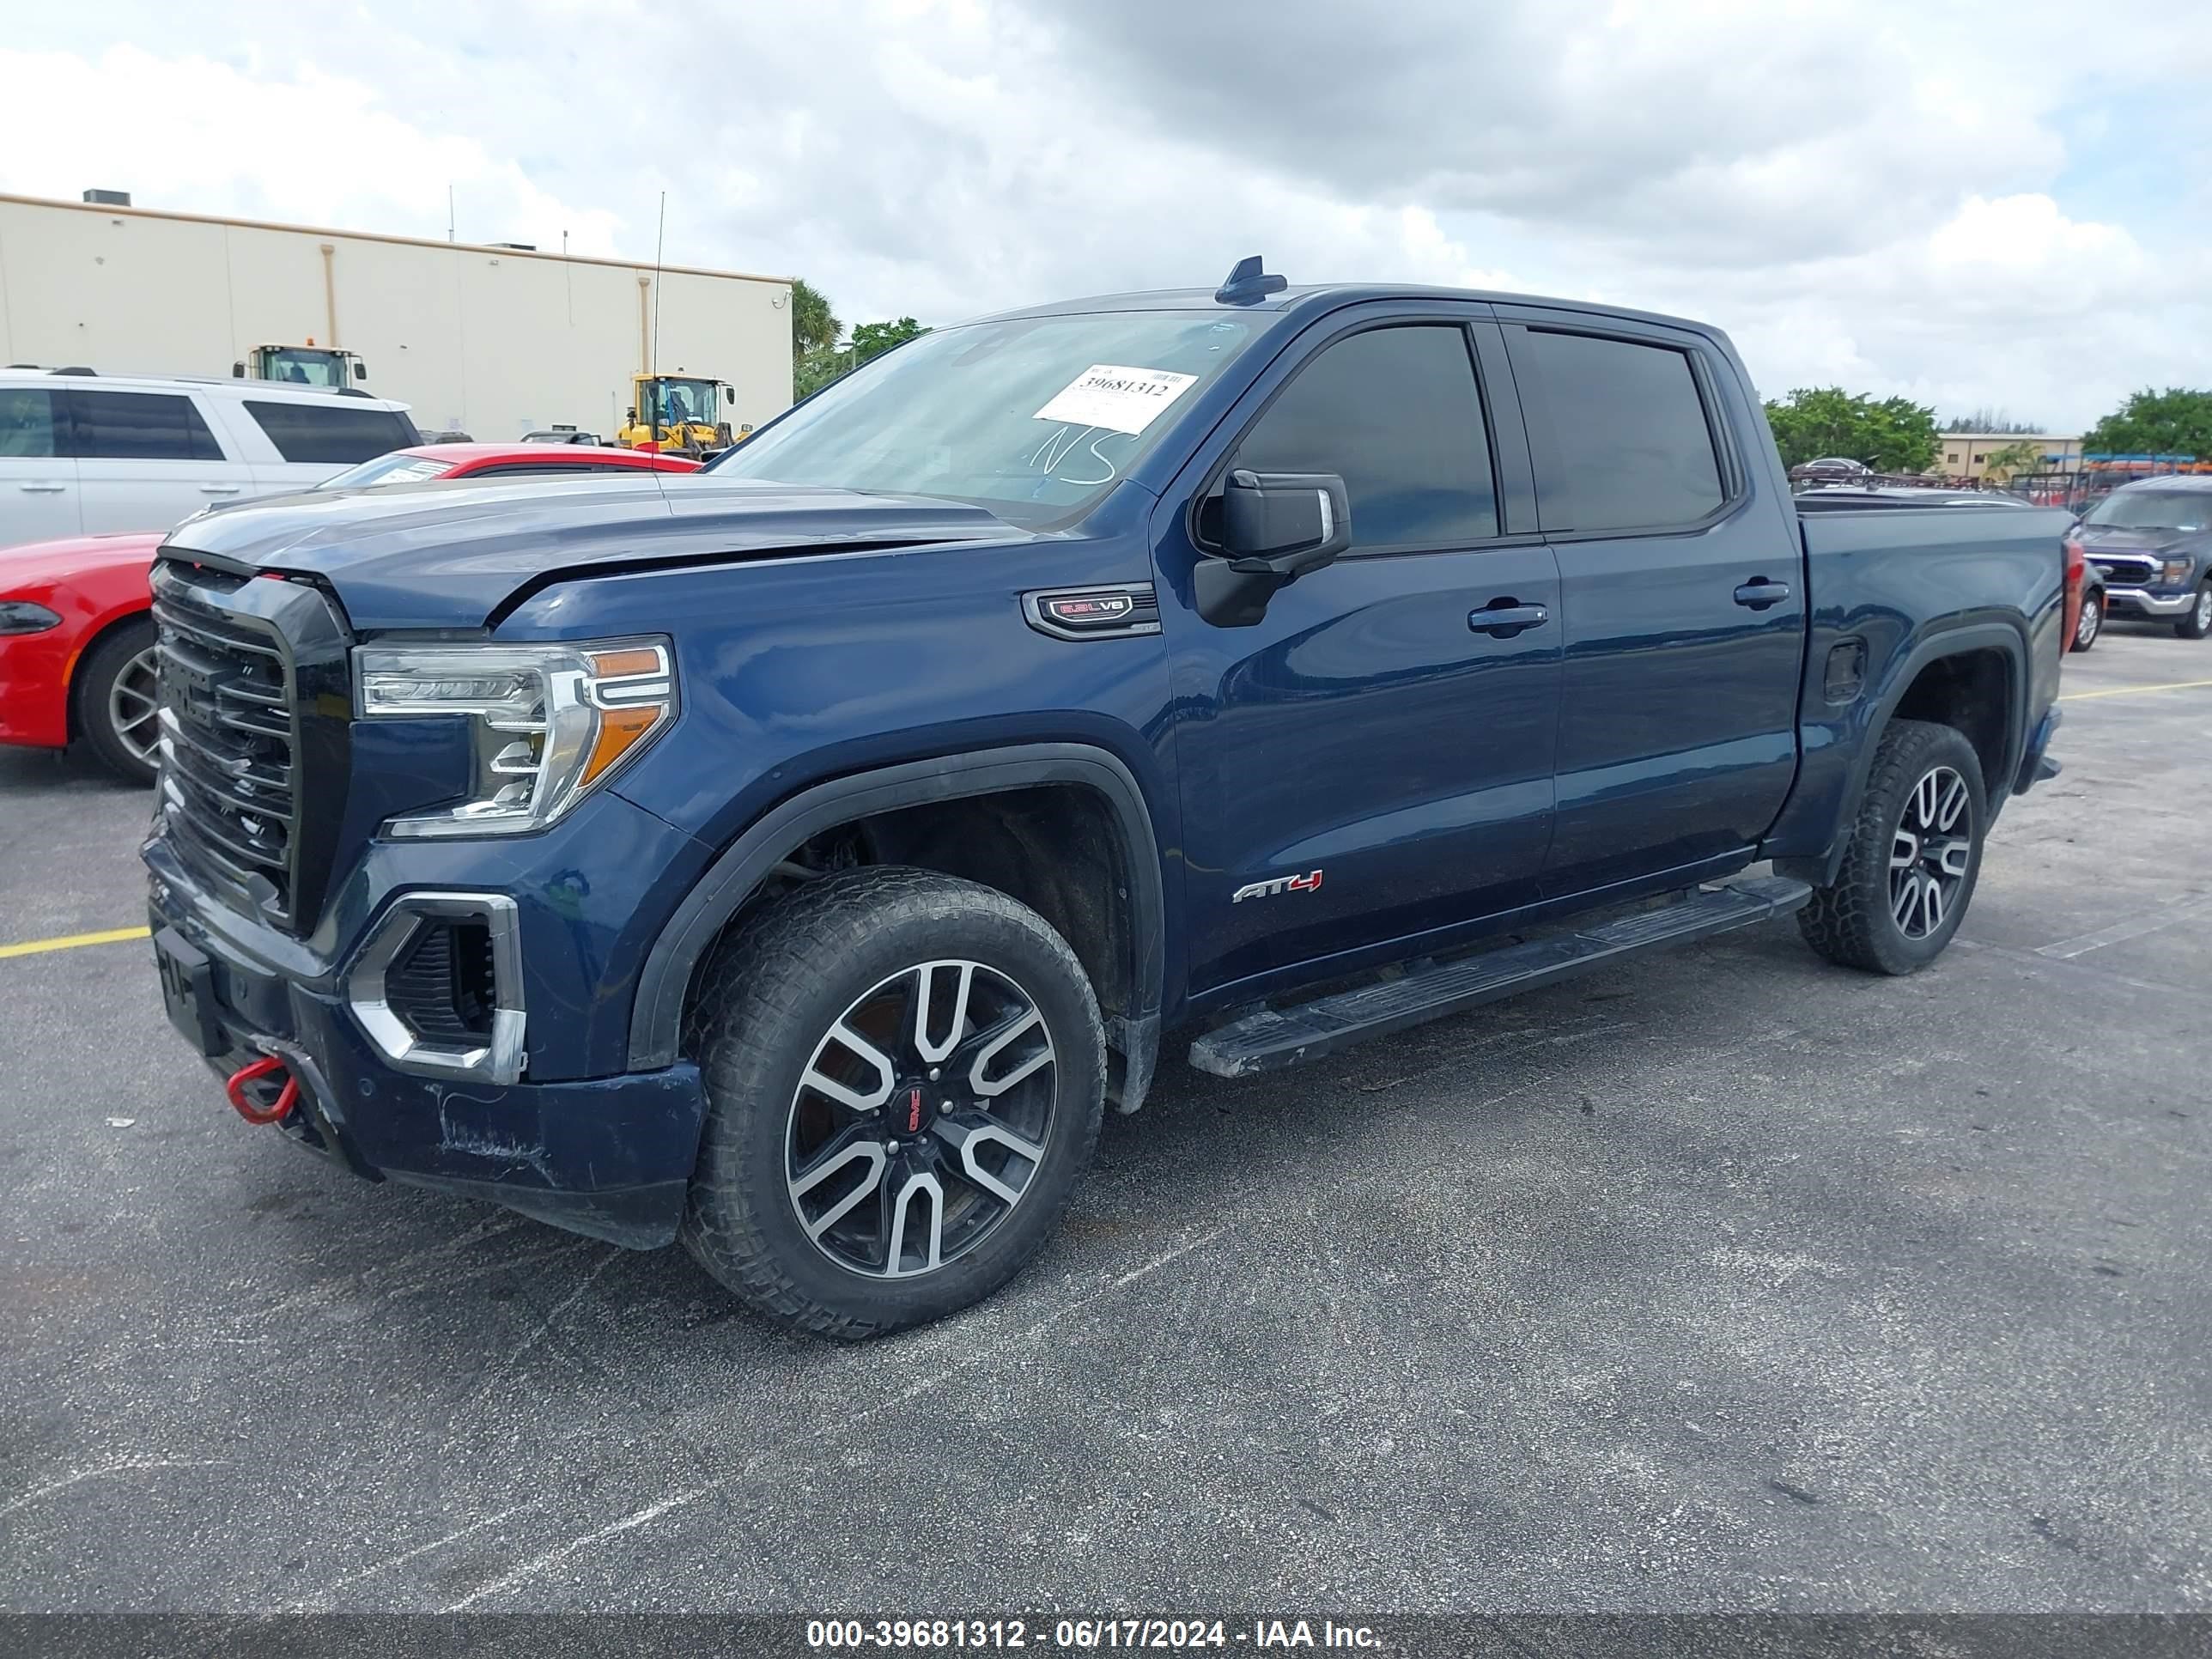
(493, 341)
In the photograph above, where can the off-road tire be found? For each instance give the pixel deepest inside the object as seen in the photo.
(2197, 624)
(95, 686)
(1851, 921)
(2089, 627)
(766, 998)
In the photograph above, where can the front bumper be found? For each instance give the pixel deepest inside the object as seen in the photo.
(609, 1157)
(2142, 602)
(35, 669)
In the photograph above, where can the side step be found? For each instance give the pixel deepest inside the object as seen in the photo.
(1275, 1038)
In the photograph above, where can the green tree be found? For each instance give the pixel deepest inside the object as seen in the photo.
(873, 339)
(814, 326)
(817, 367)
(2018, 456)
(1893, 436)
(2175, 421)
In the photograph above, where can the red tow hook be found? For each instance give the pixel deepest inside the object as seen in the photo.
(252, 1073)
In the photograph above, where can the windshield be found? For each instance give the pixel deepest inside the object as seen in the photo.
(1034, 417)
(2152, 509)
(678, 402)
(306, 367)
(399, 467)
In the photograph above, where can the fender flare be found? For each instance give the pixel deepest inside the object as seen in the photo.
(1931, 648)
(657, 1013)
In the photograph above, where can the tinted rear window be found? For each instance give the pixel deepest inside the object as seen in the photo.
(338, 432)
(1633, 447)
(140, 426)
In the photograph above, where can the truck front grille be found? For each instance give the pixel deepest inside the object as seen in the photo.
(230, 747)
(254, 744)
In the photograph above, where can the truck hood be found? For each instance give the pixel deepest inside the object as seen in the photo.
(458, 554)
(2103, 539)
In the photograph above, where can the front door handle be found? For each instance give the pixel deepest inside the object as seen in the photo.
(1502, 618)
(1759, 593)
(220, 490)
(44, 488)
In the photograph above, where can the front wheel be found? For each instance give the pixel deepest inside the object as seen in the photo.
(2198, 623)
(905, 1075)
(1915, 851)
(2091, 622)
(118, 701)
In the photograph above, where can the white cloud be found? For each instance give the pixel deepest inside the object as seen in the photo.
(192, 133)
(1874, 192)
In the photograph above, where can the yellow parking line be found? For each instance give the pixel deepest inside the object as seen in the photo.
(70, 941)
(2131, 691)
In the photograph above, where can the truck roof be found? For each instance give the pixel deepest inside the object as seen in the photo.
(281, 390)
(1314, 299)
(2169, 481)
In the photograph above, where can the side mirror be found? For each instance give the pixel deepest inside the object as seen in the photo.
(238, 370)
(359, 371)
(729, 394)
(631, 413)
(1275, 528)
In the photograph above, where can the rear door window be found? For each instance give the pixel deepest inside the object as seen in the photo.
(1395, 412)
(139, 426)
(26, 422)
(339, 432)
(1633, 448)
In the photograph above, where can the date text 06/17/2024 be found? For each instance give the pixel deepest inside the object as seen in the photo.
(1085, 1635)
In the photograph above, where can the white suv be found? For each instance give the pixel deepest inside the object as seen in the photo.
(83, 454)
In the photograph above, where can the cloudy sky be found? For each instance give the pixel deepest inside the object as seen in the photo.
(1981, 205)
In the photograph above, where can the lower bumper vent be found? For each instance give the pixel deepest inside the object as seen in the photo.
(438, 986)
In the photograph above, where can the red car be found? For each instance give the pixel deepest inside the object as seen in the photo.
(76, 644)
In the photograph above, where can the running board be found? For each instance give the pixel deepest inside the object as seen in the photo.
(1275, 1038)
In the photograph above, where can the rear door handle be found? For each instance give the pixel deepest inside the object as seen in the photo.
(44, 488)
(1757, 594)
(1502, 619)
(220, 490)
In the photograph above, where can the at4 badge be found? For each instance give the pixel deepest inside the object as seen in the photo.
(1308, 883)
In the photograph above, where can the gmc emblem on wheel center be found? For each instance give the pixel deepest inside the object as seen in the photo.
(1308, 883)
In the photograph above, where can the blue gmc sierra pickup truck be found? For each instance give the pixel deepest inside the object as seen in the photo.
(796, 858)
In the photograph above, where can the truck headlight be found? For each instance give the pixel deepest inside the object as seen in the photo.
(2176, 570)
(551, 722)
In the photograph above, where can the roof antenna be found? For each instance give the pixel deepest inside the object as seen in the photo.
(659, 241)
(1249, 284)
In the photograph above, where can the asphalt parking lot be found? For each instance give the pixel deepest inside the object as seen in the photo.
(1722, 1280)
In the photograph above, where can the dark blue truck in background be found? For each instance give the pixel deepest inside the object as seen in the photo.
(795, 858)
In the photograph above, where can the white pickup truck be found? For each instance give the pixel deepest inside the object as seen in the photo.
(83, 454)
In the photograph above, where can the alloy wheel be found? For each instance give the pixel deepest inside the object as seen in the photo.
(2204, 610)
(2092, 620)
(1931, 853)
(134, 706)
(921, 1120)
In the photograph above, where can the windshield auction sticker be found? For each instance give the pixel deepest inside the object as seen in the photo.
(1119, 398)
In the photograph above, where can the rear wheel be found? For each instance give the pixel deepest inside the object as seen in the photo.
(1914, 853)
(118, 701)
(905, 1075)
(2091, 622)
(2198, 623)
